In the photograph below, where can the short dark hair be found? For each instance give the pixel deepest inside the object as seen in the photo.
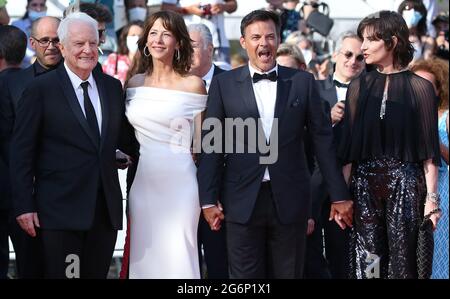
(122, 48)
(260, 15)
(383, 25)
(173, 22)
(97, 11)
(420, 7)
(13, 44)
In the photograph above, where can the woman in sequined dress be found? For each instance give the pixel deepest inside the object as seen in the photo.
(436, 71)
(391, 146)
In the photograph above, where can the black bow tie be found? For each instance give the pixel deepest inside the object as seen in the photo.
(339, 84)
(272, 76)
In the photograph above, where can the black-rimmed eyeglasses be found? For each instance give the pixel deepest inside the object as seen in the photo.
(45, 42)
(350, 54)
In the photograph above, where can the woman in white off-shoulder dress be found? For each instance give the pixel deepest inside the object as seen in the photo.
(162, 105)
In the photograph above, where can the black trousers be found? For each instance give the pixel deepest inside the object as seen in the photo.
(337, 243)
(81, 254)
(263, 247)
(28, 250)
(214, 250)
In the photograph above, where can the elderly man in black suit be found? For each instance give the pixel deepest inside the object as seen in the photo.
(64, 176)
(264, 188)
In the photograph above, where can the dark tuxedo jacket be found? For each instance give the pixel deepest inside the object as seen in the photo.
(57, 167)
(235, 178)
(6, 125)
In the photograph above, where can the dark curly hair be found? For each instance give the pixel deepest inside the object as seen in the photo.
(384, 25)
(173, 22)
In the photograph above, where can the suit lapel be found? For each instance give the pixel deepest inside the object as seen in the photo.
(104, 103)
(331, 89)
(283, 89)
(71, 97)
(247, 92)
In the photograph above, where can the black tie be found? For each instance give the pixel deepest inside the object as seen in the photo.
(90, 112)
(272, 76)
(339, 84)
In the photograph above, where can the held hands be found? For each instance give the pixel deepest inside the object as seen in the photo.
(337, 112)
(342, 213)
(28, 222)
(123, 160)
(214, 216)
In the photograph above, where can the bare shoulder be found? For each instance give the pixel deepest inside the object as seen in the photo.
(194, 84)
(136, 81)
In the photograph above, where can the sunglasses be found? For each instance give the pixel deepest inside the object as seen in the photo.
(349, 55)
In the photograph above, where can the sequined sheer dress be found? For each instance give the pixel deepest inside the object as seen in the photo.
(389, 129)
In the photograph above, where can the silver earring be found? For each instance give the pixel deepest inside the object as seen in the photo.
(148, 51)
(177, 55)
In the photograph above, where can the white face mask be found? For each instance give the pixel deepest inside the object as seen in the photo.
(411, 17)
(137, 14)
(132, 43)
(307, 54)
(34, 15)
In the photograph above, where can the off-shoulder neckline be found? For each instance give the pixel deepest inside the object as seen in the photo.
(166, 89)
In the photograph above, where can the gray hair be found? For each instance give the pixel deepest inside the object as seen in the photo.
(291, 50)
(74, 18)
(295, 37)
(344, 36)
(204, 31)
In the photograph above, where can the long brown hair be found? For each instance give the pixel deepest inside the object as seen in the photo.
(175, 24)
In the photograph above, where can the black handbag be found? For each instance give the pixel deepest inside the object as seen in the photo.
(425, 247)
(319, 23)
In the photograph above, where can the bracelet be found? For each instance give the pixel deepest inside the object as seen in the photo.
(433, 197)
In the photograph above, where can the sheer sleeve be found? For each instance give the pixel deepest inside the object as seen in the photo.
(351, 105)
(425, 101)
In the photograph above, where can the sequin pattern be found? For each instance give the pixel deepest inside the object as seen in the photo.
(389, 196)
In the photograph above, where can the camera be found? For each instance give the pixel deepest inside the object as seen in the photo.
(206, 11)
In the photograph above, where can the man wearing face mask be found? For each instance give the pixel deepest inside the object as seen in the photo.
(35, 9)
(136, 10)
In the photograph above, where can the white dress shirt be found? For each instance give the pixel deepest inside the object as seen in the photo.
(266, 96)
(93, 94)
(208, 77)
(341, 91)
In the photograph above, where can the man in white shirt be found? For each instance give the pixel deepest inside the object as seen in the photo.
(349, 65)
(64, 175)
(265, 194)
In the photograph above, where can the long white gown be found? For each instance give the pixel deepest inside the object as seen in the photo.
(163, 201)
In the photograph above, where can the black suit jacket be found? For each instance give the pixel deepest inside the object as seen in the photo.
(6, 125)
(231, 96)
(57, 168)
